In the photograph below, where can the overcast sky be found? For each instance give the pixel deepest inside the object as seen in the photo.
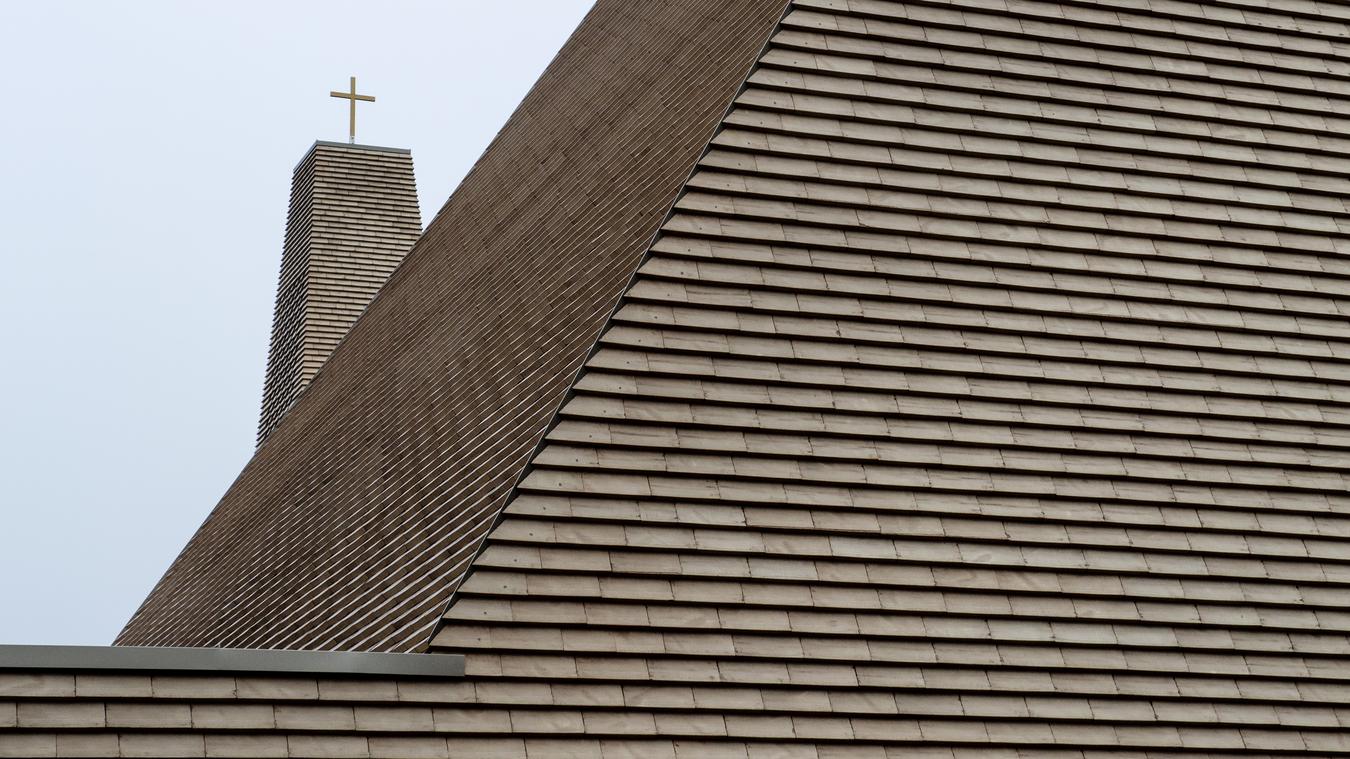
(145, 159)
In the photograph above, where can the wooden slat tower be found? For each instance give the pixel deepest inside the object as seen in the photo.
(353, 216)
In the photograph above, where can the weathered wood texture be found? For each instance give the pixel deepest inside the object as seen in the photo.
(352, 524)
(229, 715)
(986, 395)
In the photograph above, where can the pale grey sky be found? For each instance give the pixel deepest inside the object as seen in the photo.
(145, 159)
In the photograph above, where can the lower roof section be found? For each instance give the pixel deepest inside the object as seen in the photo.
(353, 523)
(235, 716)
(56, 712)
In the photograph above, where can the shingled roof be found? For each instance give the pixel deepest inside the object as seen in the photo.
(353, 522)
(983, 394)
(987, 387)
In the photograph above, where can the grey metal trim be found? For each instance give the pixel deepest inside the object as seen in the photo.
(226, 660)
(357, 146)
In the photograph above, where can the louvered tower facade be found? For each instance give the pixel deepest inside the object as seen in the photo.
(353, 215)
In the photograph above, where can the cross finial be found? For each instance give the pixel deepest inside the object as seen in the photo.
(353, 97)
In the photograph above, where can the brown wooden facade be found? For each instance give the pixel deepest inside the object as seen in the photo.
(860, 378)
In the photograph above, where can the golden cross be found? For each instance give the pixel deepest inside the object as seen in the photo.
(353, 97)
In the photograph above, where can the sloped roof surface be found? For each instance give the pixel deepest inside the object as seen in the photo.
(986, 395)
(351, 525)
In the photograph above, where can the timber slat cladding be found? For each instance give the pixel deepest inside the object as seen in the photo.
(353, 216)
(352, 524)
(984, 395)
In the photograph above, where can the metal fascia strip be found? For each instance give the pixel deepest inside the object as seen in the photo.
(224, 660)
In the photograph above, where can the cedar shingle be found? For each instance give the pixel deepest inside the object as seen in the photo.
(983, 396)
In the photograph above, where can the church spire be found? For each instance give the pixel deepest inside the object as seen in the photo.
(353, 215)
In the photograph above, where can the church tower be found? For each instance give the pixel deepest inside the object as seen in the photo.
(353, 215)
